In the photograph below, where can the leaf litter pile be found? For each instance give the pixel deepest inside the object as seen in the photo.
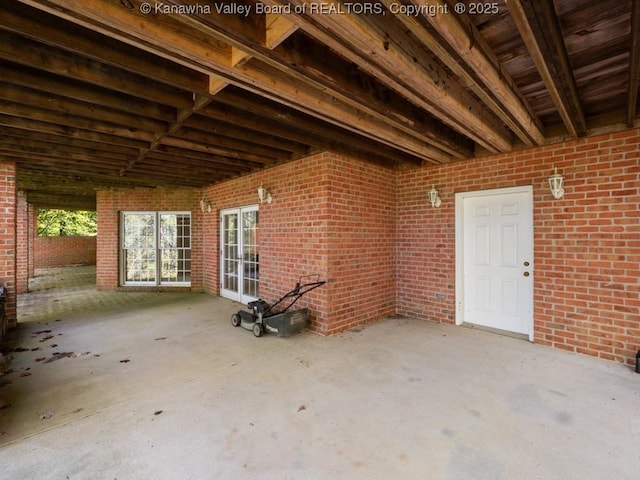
(6, 356)
(45, 336)
(55, 356)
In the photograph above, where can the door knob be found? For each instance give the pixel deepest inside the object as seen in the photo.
(526, 274)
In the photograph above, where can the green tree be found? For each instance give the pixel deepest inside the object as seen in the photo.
(66, 223)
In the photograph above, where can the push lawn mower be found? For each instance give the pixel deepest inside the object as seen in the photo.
(277, 318)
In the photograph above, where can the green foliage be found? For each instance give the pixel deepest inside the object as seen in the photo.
(66, 223)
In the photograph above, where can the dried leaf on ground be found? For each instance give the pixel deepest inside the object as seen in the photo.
(58, 356)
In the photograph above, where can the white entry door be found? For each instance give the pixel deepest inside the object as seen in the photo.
(494, 259)
(239, 254)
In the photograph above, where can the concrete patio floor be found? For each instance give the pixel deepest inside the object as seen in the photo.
(161, 386)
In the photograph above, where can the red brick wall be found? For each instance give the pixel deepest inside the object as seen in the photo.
(32, 233)
(109, 204)
(361, 240)
(372, 234)
(62, 251)
(8, 229)
(330, 215)
(586, 245)
(22, 247)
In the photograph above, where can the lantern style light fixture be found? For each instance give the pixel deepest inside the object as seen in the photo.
(556, 184)
(434, 197)
(264, 195)
(205, 205)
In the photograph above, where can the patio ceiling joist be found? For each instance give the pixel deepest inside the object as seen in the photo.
(204, 49)
(634, 64)
(538, 25)
(130, 87)
(457, 44)
(385, 51)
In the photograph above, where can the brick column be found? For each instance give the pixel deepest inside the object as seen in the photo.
(33, 234)
(22, 247)
(8, 240)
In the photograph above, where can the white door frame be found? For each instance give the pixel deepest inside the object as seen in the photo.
(459, 233)
(241, 295)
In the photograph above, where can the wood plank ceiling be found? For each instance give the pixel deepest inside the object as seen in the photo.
(121, 93)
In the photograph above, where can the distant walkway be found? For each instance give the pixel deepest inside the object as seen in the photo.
(70, 291)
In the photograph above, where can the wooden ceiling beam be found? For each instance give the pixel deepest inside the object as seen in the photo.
(75, 108)
(27, 21)
(60, 160)
(97, 95)
(385, 51)
(59, 118)
(277, 29)
(65, 131)
(298, 126)
(634, 65)
(230, 136)
(195, 48)
(18, 49)
(182, 146)
(90, 175)
(62, 201)
(198, 141)
(475, 64)
(13, 143)
(347, 118)
(318, 62)
(261, 135)
(297, 129)
(329, 73)
(29, 137)
(202, 159)
(175, 167)
(538, 25)
(254, 124)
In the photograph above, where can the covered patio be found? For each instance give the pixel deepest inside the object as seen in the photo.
(104, 385)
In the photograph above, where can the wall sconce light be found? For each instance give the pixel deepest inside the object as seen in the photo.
(556, 184)
(434, 197)
(264, 195)
(205, 205)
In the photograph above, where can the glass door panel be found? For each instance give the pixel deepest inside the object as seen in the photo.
(239, 254)
(250, 253)
(230, 257)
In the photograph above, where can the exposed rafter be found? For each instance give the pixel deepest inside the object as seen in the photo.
(634, 64)
(538, 24)
(97, 94)
(475, 64)
(206, 50)
(386, 52)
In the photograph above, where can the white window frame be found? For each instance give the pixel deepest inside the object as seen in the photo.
(157, 247)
